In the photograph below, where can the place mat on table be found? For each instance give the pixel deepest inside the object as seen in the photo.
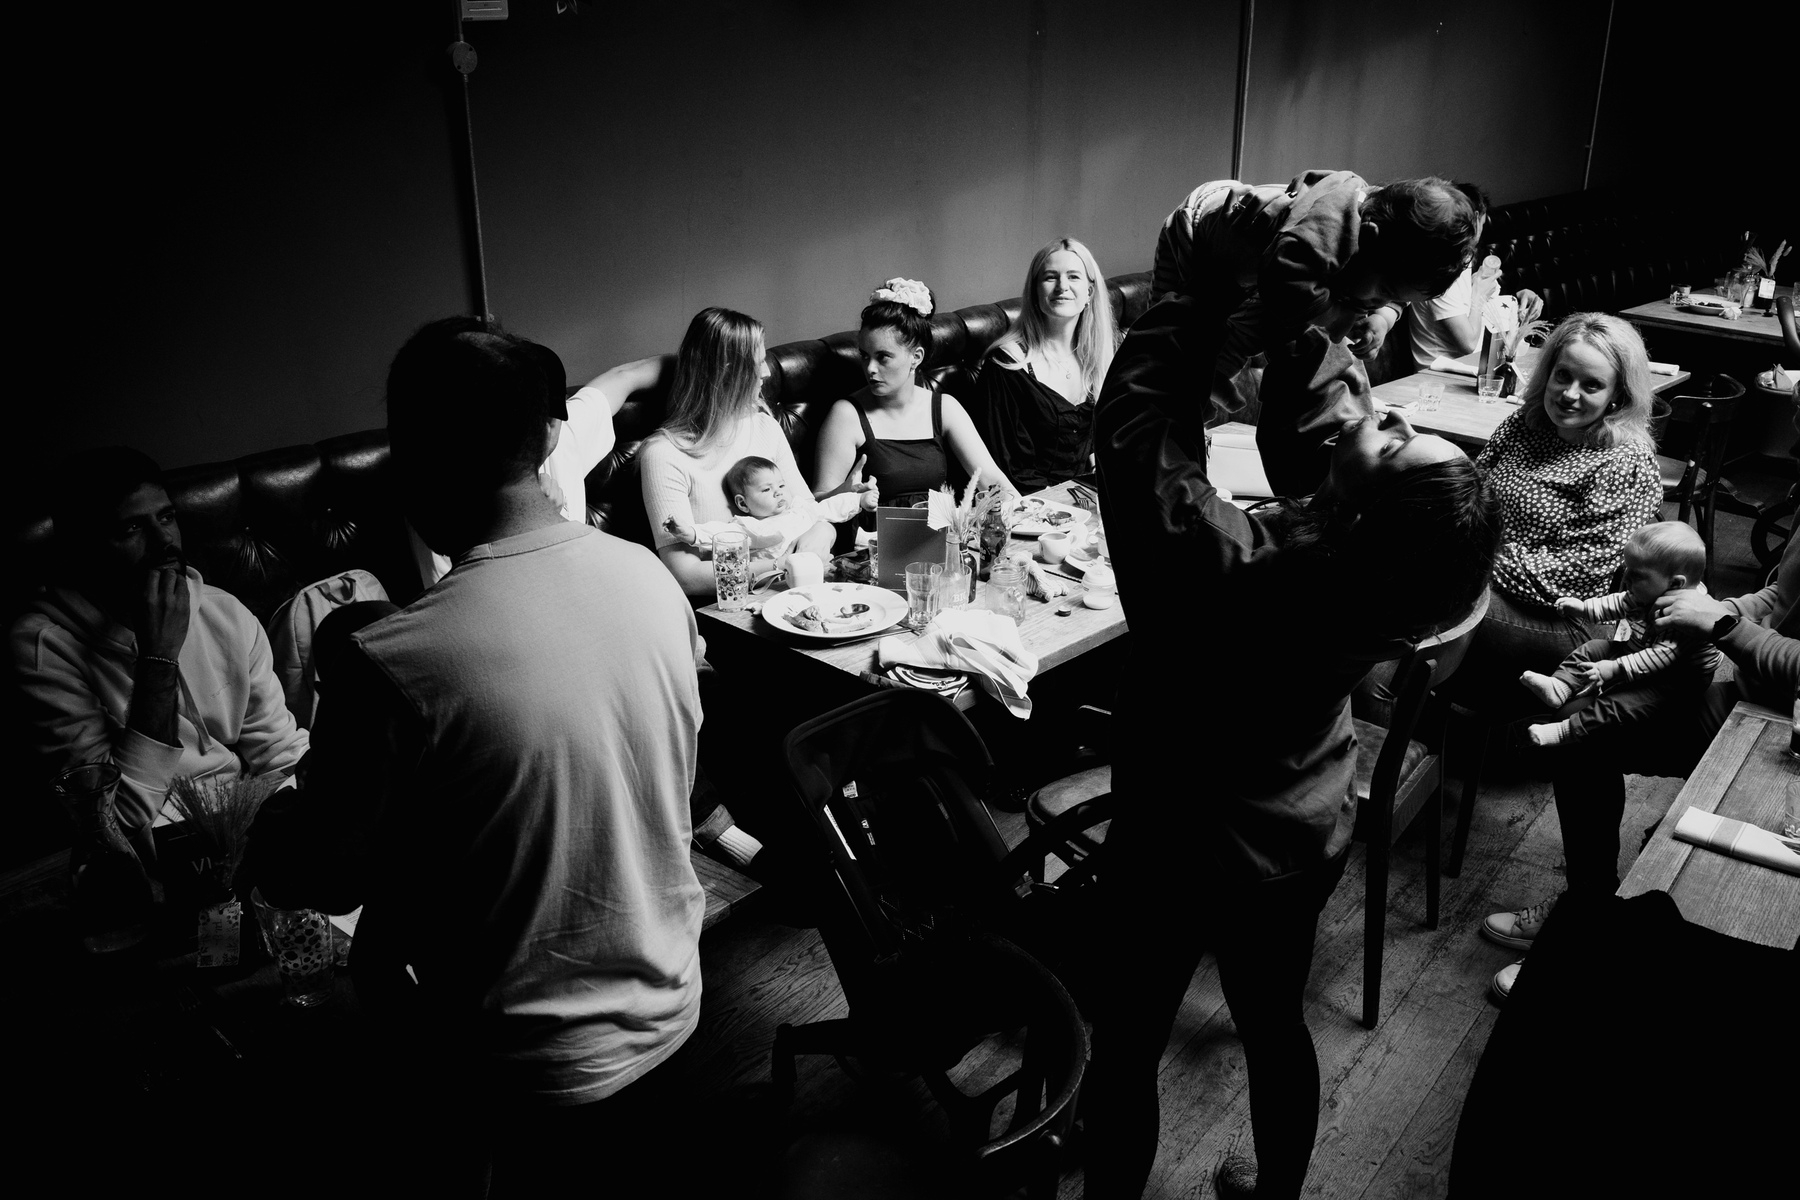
(1737, 839)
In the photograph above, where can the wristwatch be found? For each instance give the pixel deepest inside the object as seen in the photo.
(1724, 625)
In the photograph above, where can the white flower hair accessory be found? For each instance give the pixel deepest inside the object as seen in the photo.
(909, 292)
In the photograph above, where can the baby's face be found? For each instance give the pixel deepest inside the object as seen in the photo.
(1644, 580)
(765, 495)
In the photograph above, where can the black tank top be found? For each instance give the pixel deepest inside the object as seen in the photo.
(906, 468)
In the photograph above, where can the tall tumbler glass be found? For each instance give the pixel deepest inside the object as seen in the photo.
(113, 896)
(299, 941)
(731, 568)
(922, 582)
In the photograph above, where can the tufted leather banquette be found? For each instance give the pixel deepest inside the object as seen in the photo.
(1605, 250)
(267, 524)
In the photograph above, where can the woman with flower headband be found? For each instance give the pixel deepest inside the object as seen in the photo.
(901, 433)
(1037, 384)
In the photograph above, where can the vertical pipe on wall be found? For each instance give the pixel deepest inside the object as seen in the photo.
(1245, 23)
(1599, 90)
(464, 60)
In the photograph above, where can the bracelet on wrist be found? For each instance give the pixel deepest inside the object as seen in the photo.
(157, 658)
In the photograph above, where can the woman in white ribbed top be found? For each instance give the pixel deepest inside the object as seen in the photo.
(715, 418)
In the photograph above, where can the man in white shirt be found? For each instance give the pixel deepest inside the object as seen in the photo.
(1450, 325)
(128, 656)
(531, 916)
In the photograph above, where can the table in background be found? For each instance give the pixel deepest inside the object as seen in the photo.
(832, 671)
(1744, 775)
(1753, 326)
(1461, 416)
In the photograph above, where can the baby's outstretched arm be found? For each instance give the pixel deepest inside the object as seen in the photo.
(686, 533)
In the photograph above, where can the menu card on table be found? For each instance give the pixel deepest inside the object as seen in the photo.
(902, 536)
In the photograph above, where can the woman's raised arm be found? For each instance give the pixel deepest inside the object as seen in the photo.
(840, 441)
(971, 451)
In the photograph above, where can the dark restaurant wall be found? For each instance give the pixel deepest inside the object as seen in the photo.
(235, 217)
(1499, 94)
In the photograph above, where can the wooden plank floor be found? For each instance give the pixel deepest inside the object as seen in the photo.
(1389, 1098)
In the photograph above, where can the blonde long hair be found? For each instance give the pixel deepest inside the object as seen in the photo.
(1095, 337)
(717, 383)
(1627, 421)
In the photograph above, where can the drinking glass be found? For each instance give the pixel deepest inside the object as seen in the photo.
(299, 941)
(1005, 592)
(1431, 394)
(1788, 825)
(731, 568)
(113, 897)
(922, 581)
(1487, 389)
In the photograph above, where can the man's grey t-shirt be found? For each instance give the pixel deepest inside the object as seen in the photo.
(549, 905)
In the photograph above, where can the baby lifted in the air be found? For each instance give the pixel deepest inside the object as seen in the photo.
(1626, 681)
(757, 491)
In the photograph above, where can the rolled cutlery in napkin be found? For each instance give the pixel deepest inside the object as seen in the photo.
(1737, 839)
(985, 644)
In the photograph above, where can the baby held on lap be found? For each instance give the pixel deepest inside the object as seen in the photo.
(757, 492)
(1627, 681)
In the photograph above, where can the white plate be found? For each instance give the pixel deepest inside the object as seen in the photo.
(886, 609)
(1034, 525)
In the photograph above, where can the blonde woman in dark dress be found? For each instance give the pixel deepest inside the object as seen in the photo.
(895, 431)
(1035, 393)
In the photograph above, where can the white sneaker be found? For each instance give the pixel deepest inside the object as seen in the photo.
(1504, 979)
(1517, 930)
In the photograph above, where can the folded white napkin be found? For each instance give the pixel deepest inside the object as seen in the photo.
(1737, 839)
(986, 644)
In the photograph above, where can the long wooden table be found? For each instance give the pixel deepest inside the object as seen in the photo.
(1462, 416)
(1752, 326)
(1744, 774)
(744, 638)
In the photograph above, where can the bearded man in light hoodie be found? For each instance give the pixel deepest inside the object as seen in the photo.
(129, 657)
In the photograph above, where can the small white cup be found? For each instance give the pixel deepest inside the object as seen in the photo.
(1054, 547)
(804, 569)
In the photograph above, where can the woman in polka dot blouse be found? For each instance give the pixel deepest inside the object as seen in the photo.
(1576, 475)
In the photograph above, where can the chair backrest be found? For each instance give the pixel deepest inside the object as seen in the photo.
(1699, 419)
(1427, 667)
(893, 784)
(1790, 337)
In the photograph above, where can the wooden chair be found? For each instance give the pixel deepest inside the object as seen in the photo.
(1697, 422)
(1397, 780)
(892, 784)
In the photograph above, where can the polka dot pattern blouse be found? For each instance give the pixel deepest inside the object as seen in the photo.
(1568, 509)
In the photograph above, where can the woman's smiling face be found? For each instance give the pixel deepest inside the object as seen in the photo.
(1064, 286)
(1582, 386)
